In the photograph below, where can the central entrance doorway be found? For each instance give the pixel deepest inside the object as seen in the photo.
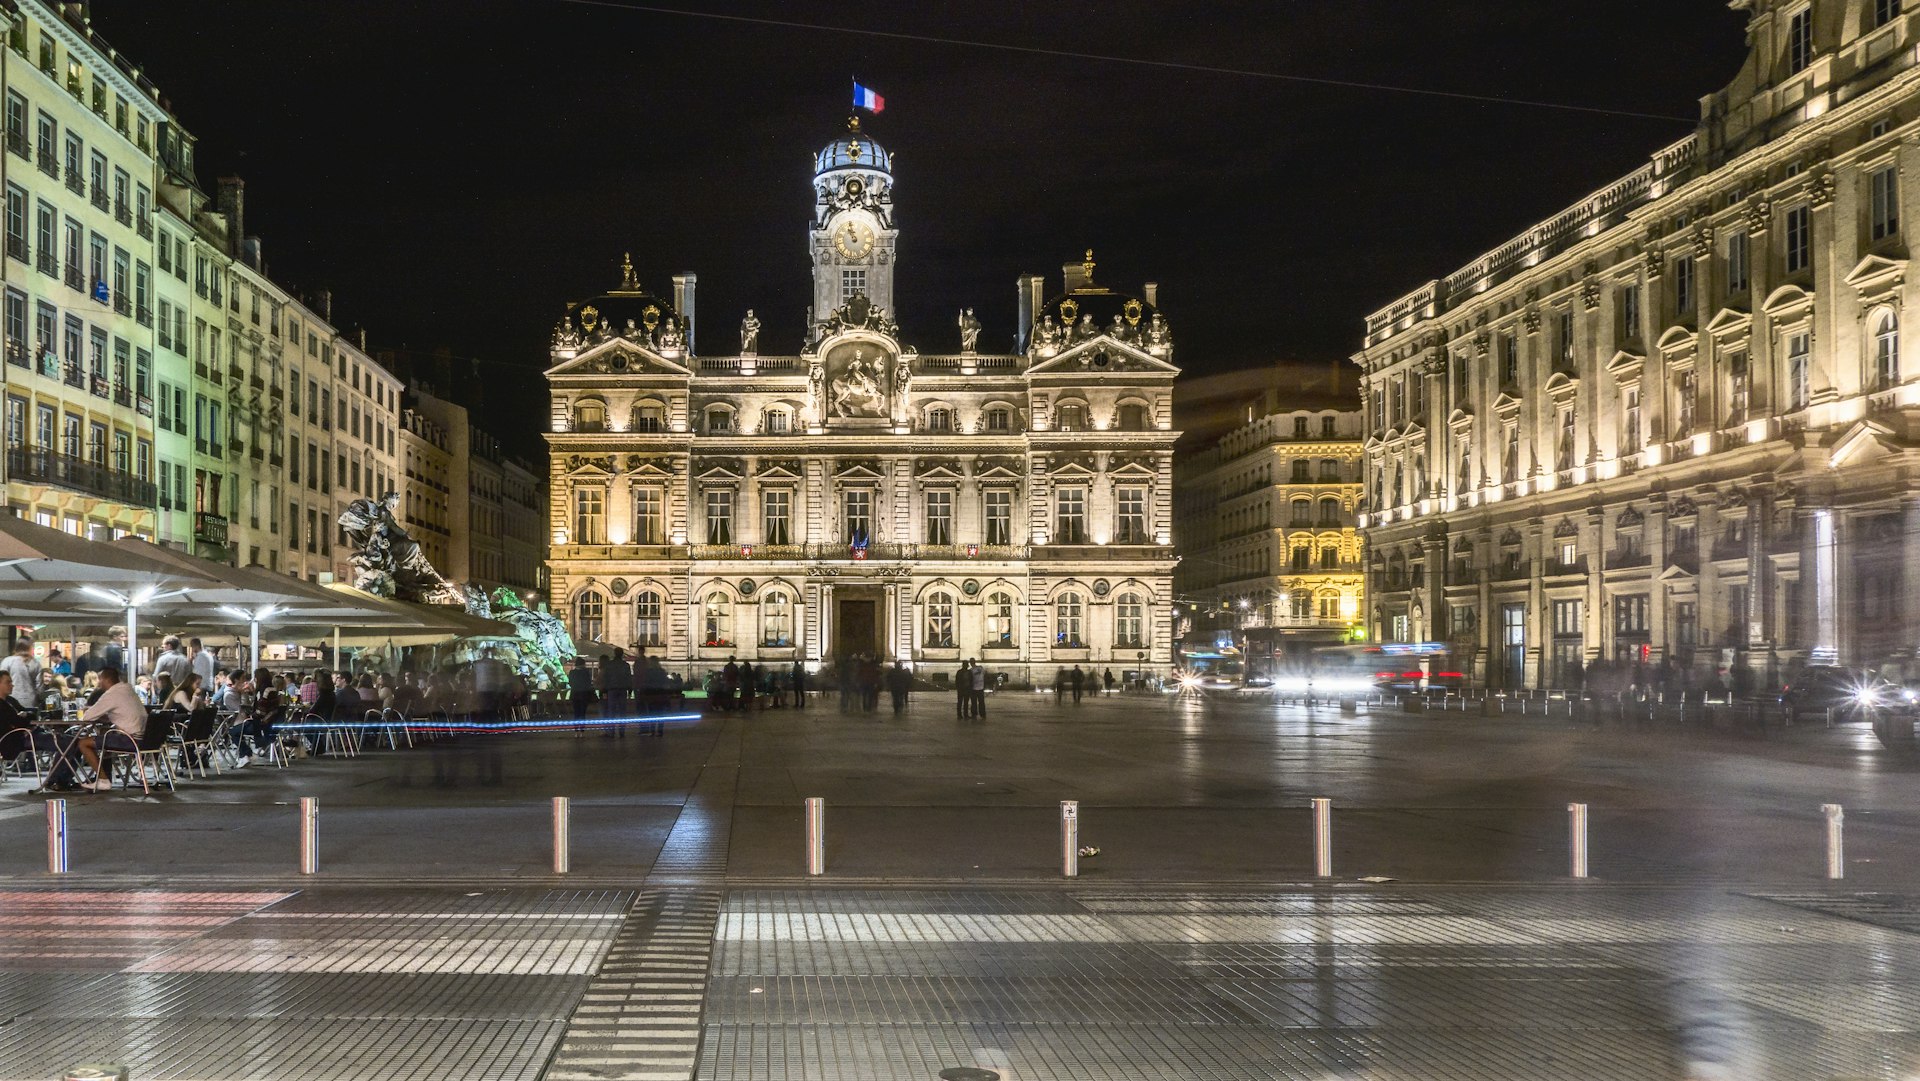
(856, 623)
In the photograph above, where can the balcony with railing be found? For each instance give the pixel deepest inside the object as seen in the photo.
(74, 376)
(144, 226)
(32, 465)
(1554, 568)
(17, 353)
(48, 164)
(1511, 570)
(47, 264)
(17, 142)
(17, 248)
(122, 213)
(76, 183)
(1627, 559)
(122, 394)
(101, 201)
(75, 278)
(122, 304)
(97, 385)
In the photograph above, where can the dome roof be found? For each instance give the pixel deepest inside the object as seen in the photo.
(1083, 298)
(611, 312)
(853, 150)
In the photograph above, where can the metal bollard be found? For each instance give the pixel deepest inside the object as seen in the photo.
(1836, 841)
(562, 835)
(56, 837)
(309, 835)
(1322, 838)
(1070, 838)
(816, 835)
(1577, 830)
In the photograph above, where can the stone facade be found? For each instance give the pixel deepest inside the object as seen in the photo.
(859, 496)
(1678, 421)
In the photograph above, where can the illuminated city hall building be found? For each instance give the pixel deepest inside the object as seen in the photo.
(1678, 421)
(862, 497)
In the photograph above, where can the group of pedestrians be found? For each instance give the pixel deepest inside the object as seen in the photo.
(1078, 682)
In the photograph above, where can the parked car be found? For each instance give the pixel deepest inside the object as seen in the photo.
(1853, 692)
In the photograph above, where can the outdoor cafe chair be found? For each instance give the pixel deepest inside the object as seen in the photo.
(151, 749)
(195, 740)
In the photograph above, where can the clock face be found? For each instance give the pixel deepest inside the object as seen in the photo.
(853, 240)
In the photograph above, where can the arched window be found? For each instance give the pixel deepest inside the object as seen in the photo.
(1886, 350)
(1329, 511)
(1302, 512)
(939, 620)
(999, 619)
(1302, 604)
(649, 418)
(1068, 618)
(1129, 620)
(779, 422)
(776, 620)
(589, 416)
(1329, 606)
(939, 419)
(719, 420)
(998, 419)
(1131, 417)
(590, 615)
(646, 618)
(717, 620)
(1071, 418)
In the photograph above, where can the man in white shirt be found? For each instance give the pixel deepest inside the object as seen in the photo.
(172, 663)
(205, 663)
(122, 712)
(25, 672)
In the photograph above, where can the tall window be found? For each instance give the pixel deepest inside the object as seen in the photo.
(1799, 370)
(940, 517)
(939, 620)
(719, 421)
(1129, 620)
(1886, 350)
(16, 421)
(999, 516)
(1683, 285)
(649, 516)
(649, 419)
(1072, 418)
(1300, 467)
(1883, 215)
(1130, 526)
(1565, 336)
(1131, 417)
(717, 620)
(646, 618)
(1799, 241)
(1330, 606)
(1509, 360)
(776, 619)
(999, 614)
(1800, 40)
(851, 282)
(1329, 557)
(1683, 408)
(1739, 388)
(777, 507)
(1885, 11)
(1070, 516)
(590, 615)
(939, 419)
(1739, 269)
(1329, 511)
(1630, 614)
(1301, 512)
(1068, 613)
(1301, 559)
(858, 505)
(999, 419)
(719, 516)
(1630, 311)
(1630, 421)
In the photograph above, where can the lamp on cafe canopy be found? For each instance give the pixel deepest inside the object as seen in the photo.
(254, 619)
(132, 601)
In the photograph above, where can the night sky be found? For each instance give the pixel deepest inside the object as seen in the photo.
(456, 173)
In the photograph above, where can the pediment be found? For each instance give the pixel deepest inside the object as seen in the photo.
(1785, 300)
(618, 356)
(937, 467)
(720, 469)
(1460, 418)
(1675, 340)
(1876, 275)
(1728, 321)
(1506, 404)
(858, 467)
(659, 467)
(1081, 359)
(1561, 385)
(1130, 465)
(587, 465)
(781, 467)
(1866, 441)
(1066, 465)
(1009, 468)
(1677, 573)
(1625, 365)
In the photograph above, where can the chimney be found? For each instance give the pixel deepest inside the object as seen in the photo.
(1150, 292)
(1078, 275)
(233, 206)
(323, 304)
(683, 303)
(363, 339)
(1031, 289)
(250, 253)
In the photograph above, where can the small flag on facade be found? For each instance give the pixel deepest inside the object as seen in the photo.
(864, 98)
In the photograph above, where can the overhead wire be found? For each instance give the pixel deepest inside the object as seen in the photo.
(1138, 61)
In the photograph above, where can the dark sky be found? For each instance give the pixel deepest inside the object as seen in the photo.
(456, 172)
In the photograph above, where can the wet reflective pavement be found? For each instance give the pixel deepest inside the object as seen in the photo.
(687, 943)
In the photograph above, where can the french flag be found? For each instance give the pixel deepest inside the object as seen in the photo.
(864, 98)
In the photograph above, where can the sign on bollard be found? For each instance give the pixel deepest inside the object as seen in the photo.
(1070, 838)
(1577, 838)
(1836, 840)
(816, 835)
(562, 835)
(57, 836)
(1323, 838)
(309, 835)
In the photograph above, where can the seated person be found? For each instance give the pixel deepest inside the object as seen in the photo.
(122, 717)
(253, 735)
(17, 735)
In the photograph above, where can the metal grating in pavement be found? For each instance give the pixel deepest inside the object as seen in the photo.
(1895, 912)
(639, 1019)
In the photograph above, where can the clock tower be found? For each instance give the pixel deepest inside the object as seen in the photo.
(853, 235)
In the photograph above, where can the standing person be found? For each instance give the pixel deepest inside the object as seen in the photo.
(580, 687)
(1107, 679)
(172, 661)
(799, 678)
(114, 654)
(869, 683)
(25, 672)
(963, 691)
(729, 682)
(843, 669)
(899, 682)
(620, 686)
(979, 689)
(1079, 679)
(205, 662)
(749, 684)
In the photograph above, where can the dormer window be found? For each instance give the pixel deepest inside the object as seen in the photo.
(999, 420)
(779, 422)
(939, 419)
(1131, 417)
(719, 421)
(649, 419)
(1073, 418)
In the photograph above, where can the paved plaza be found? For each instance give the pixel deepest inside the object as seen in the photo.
(687, 942)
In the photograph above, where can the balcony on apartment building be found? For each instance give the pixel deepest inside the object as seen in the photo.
(35, 465)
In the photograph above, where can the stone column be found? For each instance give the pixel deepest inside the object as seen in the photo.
(1539, 620)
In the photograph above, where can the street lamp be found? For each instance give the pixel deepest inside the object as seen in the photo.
(254, 619)
(131, 601)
